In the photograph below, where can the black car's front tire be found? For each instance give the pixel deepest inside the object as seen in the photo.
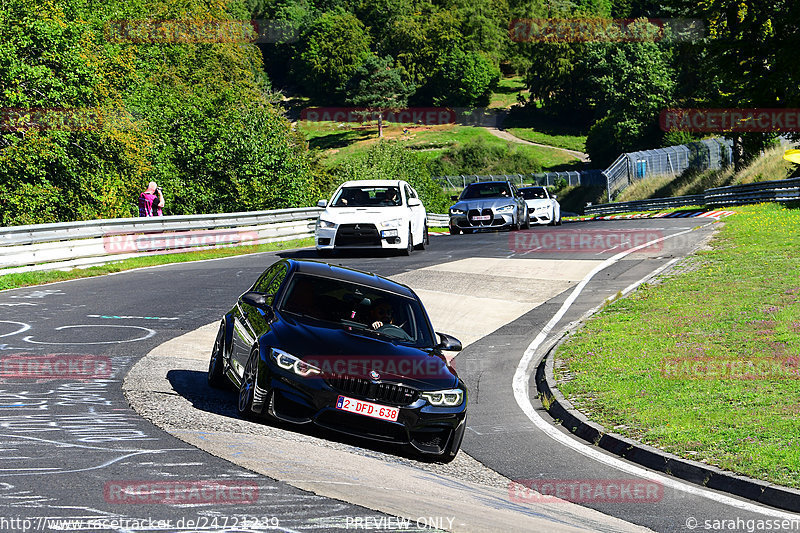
(247, 387)
(216, 374)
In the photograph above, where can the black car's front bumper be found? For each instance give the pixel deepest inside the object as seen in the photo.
(428, 429)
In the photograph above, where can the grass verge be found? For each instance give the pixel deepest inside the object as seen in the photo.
(27, 279)
(704, 364)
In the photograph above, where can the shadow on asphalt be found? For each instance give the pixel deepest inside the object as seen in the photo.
(193, 386)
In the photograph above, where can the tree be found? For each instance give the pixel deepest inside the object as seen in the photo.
(332, 49)
(634, 81)
(378, 87)
(388, 160)
(463, 79)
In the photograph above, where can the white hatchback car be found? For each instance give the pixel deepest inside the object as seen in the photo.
(372, 214)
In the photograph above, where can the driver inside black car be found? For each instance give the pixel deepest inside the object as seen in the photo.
(380, 314)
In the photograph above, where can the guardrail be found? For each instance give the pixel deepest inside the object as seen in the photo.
(93, 242)
(752, 193)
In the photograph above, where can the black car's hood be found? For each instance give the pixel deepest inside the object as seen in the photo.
(356, 353)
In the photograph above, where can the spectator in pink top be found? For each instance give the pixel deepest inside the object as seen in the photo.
(147, 201)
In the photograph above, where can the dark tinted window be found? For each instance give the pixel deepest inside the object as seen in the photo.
(271, 280)
(533, 193)
(367, 197)
(486, 190)
(357, 307)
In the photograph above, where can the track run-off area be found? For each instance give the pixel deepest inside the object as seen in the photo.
(135, 446)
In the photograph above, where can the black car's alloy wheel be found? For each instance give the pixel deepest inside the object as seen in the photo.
(216, 376)
(247, 387)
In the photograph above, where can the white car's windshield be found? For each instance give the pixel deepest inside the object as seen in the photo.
(367, 197)
(533, 193)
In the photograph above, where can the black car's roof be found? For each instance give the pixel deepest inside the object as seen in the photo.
(319, 268)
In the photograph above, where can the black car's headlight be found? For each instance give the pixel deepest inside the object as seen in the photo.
(445, 398)
(289, 362)
(457, 211)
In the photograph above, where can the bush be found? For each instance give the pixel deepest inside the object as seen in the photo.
(480, 157)
(388, 160)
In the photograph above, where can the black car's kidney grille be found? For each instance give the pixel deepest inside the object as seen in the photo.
(357, 235)
(475, 212)
(390, 393)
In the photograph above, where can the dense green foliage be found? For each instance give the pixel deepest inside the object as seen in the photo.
(194, 116)
(390, 161)
(199, 116)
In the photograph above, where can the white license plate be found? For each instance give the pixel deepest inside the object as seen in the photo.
(374, 410)
(481, 217)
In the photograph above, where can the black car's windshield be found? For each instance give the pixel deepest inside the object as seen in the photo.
(367, 197)
(486, 190)
(358, 307)
(533, 193)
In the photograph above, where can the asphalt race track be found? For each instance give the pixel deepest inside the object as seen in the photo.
(72, 446)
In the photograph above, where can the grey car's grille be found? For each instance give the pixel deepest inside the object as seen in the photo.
(390, 393)
(473, 213)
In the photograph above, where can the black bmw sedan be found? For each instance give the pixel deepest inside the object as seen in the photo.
(350, 351)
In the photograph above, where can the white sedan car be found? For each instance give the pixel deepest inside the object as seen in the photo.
(543, 207)
(372, 214)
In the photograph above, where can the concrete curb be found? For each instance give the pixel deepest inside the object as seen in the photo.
(695, 472)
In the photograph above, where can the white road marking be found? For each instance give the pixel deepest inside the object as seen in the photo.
(149, 333)
(25, 327)
(521, 394)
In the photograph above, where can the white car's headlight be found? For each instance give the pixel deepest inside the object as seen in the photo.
(446, 398)
(506, 209)
(393, 223)
(326, 224)
(457, 211)
(289, 362)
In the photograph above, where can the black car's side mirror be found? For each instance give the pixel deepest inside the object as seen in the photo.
(448, 343)
(256, 299)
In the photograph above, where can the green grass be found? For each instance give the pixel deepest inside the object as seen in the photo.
(338, 144)
(26, 279)
(570, 142)
(736, 303)
(506, 93)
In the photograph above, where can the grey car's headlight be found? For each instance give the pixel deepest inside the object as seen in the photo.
(456, 211)
(289, 362)
(445, 398)
(506, 209)
(325, 224)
